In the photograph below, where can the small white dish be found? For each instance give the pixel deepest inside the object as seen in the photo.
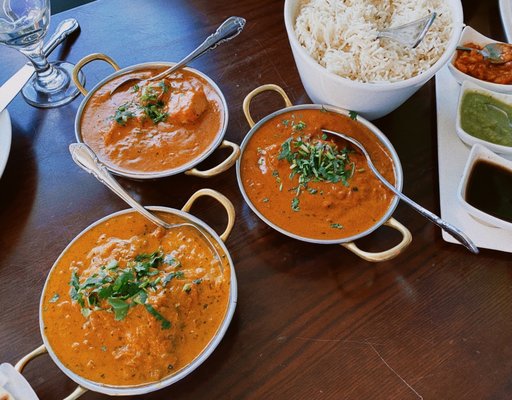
(481, 153)
(466, 137)
(470, 35)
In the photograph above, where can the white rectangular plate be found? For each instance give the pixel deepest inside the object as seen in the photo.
(453, 153)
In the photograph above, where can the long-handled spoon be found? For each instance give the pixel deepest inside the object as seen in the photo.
(229, 29)
(495, 53)
(410, 34)
(85, 158)
(452, 230)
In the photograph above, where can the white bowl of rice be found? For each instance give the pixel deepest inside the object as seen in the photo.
(342, 63)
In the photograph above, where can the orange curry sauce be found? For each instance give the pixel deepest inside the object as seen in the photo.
(474, 64)
(323, 210)
(152, 126)
(188, 289)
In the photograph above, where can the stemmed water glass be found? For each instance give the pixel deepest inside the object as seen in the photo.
(23, 26)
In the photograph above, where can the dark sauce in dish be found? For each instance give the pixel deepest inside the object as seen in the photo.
(489, 189)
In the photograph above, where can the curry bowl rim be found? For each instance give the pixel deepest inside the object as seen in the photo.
(168, 172)
(377, 133)
(125, 390)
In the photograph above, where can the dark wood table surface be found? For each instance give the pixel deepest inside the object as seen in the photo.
(312, 321)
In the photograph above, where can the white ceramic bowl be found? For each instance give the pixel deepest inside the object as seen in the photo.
(470, 35)
(479, 152)
(470, 140)
(371, 100)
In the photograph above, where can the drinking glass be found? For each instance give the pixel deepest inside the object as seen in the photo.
(23, 26)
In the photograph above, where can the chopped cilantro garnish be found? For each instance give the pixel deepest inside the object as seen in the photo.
(152, 105)
(123, 113)
(316, 161)
(118, 289)
(54, 298)
(166, 324)
(295, 204)
(352, 115)
(337, 226)
(299, 126)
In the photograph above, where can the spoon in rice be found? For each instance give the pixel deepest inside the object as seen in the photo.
(86, 159)
(410, 34)
(444, 225)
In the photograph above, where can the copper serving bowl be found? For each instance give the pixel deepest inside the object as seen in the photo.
(117, 390)
(348, 242)
(189, 167)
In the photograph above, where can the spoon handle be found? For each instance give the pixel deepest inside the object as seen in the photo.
(229, 29)
(444, 225)
(85, 158)
(64, 29)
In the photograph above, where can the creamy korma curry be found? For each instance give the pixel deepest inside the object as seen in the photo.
(313, 185)
(152, 126)
(130, 303)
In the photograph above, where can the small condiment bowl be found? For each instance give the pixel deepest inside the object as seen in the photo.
(470, 35)
(480, 153)
(466, 137)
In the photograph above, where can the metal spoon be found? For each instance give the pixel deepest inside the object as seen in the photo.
(410, 34)
(501, 111)
(495, 53)
(452, 230)
(229, 29)
(86, 159)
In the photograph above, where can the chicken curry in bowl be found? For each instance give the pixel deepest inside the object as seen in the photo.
(313, 185)
(146, 129)
(129, 303)
(153, 126)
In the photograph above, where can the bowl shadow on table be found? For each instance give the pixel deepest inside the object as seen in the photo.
(18, 186)
(276, 252)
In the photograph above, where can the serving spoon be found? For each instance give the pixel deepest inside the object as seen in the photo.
(229, 29)
(444, 225)
(495, 53)
(86, 159)
(410, 34)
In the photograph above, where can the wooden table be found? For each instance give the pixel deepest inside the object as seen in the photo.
(312, 321)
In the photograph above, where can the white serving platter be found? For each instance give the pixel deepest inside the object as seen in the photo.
(452, 156)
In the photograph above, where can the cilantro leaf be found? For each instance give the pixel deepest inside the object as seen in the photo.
(120, 308)
(166, 324)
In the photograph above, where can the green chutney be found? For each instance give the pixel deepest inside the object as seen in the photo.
(486, 118)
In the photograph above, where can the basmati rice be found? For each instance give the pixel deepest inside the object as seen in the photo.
(341, 35)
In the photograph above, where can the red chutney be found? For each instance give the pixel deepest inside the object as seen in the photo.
(323, 209)
(152, 126)
(474, 64)
(177, 297)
